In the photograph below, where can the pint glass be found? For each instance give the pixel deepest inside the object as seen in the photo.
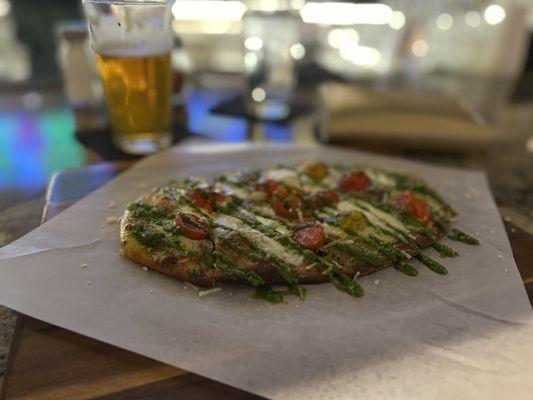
(132, 40)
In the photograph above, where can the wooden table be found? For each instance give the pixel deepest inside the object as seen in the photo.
(48, 362)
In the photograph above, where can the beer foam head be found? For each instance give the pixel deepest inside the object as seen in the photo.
(129, 28)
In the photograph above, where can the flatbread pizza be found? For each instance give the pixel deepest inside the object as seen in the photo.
(289, 225)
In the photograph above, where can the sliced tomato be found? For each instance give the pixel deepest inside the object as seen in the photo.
(221, 199)
(289, 203)
(414, 206)
(317, 170)
(200, 199)
(310, 236)
(191, 226)
(267, 186)
(288, 206)
(354, 181)
(325, 198)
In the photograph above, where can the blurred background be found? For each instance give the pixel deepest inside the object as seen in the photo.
(443, 80)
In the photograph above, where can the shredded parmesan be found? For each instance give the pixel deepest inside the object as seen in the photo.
(327, 271)
(331, 244)
(209, 291)
(83, 265)
(337, 264)
(113, 220)
(300, 216)
(406, 254)
(310, 266)
(356, 276)
(191, 285)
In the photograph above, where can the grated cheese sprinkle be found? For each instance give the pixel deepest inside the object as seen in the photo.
(191, 285)
(83, 265)
(209, 291)
(113, 220)
(300, 216)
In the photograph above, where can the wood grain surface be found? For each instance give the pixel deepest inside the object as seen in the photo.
(47, 362)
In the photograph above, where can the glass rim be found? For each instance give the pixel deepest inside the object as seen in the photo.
(132, 2)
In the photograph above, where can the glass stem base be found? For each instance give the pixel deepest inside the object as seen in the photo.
(143, 144)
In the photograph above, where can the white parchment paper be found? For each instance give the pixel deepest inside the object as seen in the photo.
(467, 335)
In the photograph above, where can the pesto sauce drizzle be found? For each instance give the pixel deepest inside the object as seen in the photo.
(266, 292)
(149, 237)
(406, 269)
(341, 281)
(444, 250)
(375, 243)
(258, 255)
(463, 237)
(392, 230)
(432, 264)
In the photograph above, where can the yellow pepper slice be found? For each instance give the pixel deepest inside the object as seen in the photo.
(354, 221)
(317, 170)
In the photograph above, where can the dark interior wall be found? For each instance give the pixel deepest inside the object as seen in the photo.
(36, 20)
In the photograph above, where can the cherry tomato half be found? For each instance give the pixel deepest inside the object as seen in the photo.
(267, 186)
(289, 204)
(325, 198)
(221, 199)
(354, 181)
(317, 170)
(191, 226)
(414, 206)
(200, 199)
(310, 236)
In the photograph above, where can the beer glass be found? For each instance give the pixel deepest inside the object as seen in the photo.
(132, 40)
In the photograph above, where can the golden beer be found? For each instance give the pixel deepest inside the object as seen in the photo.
(137, 90)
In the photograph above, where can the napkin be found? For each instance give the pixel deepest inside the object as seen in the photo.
(405, 119)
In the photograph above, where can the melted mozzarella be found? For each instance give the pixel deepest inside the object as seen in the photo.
(230, 189)
(268, 245)
(391, 220)
(286, 175)
(380, 177)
